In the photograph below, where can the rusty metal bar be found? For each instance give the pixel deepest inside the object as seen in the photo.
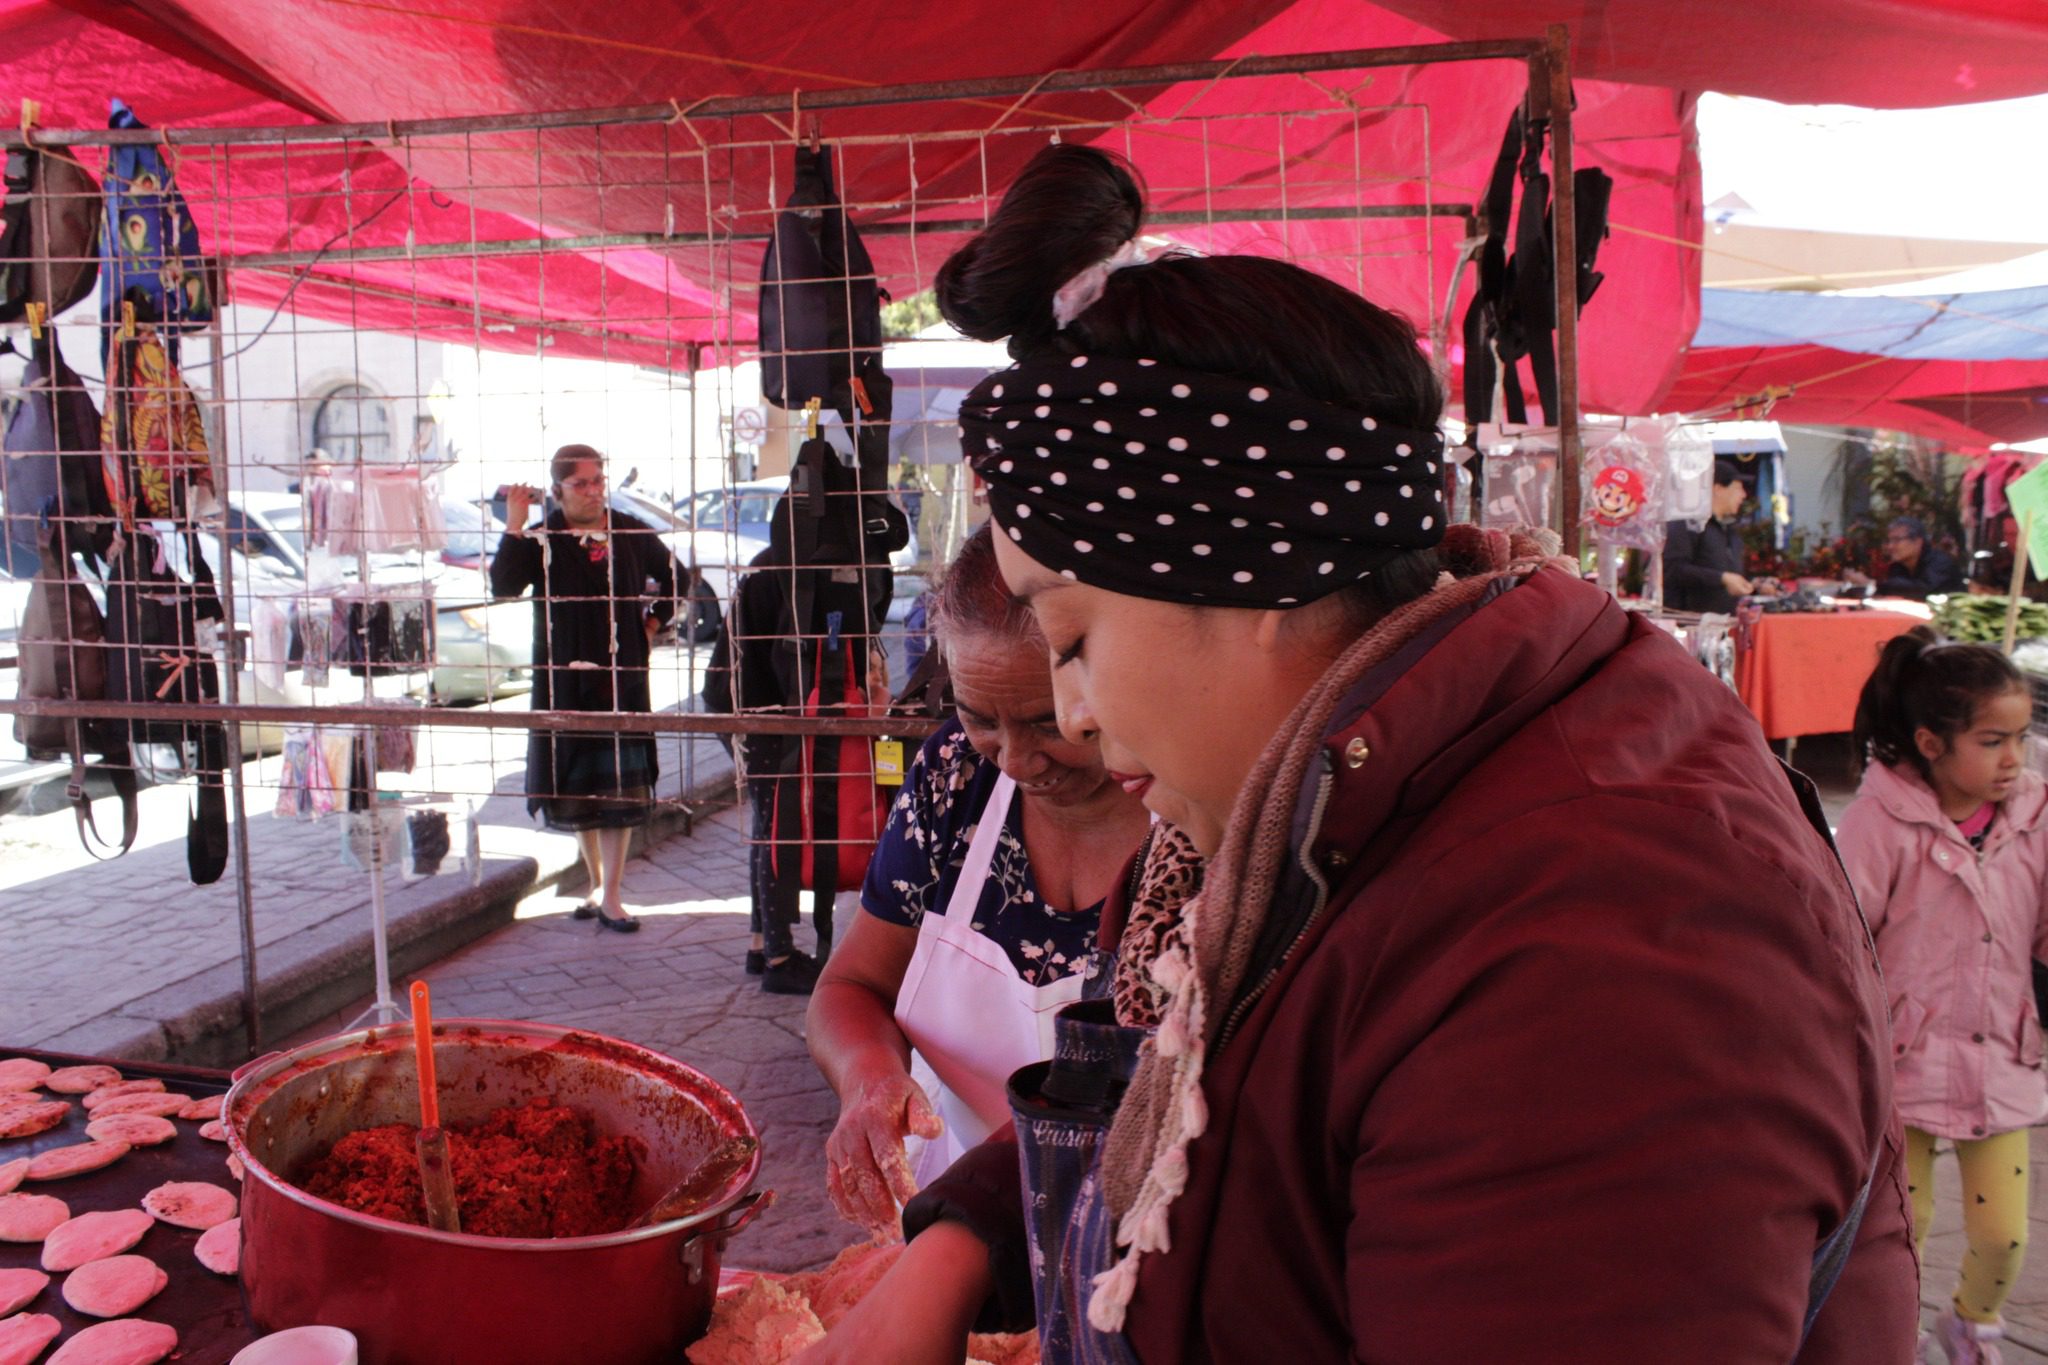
(657, 241)
(630, 722)
(231, 684)
(1557, 69)
(1062, 82)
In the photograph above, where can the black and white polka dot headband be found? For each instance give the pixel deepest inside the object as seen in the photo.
(1144, 479)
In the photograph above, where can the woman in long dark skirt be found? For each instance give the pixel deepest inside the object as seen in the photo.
(603, 585)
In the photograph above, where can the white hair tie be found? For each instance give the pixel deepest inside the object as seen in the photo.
(1079, 294)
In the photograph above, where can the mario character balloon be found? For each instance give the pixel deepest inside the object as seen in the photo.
(1618, 494)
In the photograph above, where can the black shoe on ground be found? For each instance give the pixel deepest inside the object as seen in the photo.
(624, 924)
(757, 962)
(793, 975)
(586, 910)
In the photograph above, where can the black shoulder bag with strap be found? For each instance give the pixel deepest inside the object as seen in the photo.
(64, 658)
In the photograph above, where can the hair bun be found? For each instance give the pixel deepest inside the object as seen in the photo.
(1071, 207)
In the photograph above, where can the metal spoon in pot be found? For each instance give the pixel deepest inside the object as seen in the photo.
(437, 1176)
(704, 1182)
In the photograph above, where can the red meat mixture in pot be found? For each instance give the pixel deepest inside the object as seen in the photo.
(537, 1170)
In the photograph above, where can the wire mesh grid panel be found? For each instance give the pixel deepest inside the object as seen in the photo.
(411, 465)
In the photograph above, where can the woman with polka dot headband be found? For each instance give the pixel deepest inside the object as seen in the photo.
(1524, 1014)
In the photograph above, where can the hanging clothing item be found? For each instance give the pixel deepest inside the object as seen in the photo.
(381, 630)
(1513, 313)
(372, 509)
(820, 315)
(152, 439)
(49, 233)
(53, 462)
(270, 645)
(295, 778)
(150, 256)
(426, 833)
(315, 624)
(968, 1013)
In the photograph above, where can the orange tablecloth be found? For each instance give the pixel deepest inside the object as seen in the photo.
(1800, 673)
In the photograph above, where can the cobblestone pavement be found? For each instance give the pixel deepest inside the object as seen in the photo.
(677, 986)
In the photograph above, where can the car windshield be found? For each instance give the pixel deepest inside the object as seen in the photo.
(655, 515)
(290, 525)
(755, 509)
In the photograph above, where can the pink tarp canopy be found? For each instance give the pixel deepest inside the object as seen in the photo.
(1968, 404)
(1256, 151)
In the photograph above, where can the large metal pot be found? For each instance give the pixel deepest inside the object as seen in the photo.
(414, 1296)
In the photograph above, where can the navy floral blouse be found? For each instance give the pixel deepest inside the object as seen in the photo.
(918, 862)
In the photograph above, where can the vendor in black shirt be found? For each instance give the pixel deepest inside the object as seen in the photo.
(1918, 569)
(1703, 568)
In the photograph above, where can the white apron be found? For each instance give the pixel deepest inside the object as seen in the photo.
(971, 1020)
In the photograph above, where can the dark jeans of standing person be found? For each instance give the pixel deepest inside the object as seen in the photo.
(775, 926)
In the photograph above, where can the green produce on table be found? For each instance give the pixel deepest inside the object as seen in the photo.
(1979, 619)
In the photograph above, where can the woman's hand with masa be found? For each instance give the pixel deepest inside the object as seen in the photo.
(867, 1173)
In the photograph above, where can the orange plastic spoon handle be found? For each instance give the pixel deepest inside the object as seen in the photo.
(423, 1047)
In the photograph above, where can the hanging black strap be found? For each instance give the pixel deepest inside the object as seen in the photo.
(120, 772)
(1483, 317)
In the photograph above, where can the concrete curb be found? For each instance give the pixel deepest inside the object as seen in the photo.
(323, 969)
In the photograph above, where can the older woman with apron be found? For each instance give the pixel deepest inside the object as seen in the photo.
(1524, 1013)
(980, 910)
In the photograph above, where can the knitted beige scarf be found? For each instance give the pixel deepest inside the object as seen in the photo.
(1202, 967)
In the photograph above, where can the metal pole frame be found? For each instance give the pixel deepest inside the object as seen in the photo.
(1550, 89)
(543, 246)
(231, 690)
(796, 102)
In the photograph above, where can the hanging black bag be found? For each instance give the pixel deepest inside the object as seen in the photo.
(53, 462)
(821, 315)
(154, 616)
(63, 657)
(1513, 313)
(49, 233)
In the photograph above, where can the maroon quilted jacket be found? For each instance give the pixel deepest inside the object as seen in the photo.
(1584, 1056)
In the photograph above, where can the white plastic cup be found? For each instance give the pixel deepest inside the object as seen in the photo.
(301, 1346)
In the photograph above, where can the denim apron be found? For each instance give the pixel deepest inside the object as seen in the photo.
(1063, 1109)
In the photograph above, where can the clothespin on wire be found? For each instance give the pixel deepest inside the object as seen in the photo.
(31, 115)
(127, 320)
(812, 133)
(37, 311)
(811, 418)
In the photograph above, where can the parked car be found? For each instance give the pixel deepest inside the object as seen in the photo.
(482, 650)
(745, 510)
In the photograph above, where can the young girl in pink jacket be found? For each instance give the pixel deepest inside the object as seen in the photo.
(1946, 843)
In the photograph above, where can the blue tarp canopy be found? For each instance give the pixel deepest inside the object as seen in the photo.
(2006, 324)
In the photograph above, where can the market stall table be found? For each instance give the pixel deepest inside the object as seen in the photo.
(1800, 672)
(205, 1308)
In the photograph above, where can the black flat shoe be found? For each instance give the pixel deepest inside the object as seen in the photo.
(625, 924)
(757, 962)
(587, 910)
(796, 974)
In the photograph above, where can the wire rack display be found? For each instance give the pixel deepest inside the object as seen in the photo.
(415, 316)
